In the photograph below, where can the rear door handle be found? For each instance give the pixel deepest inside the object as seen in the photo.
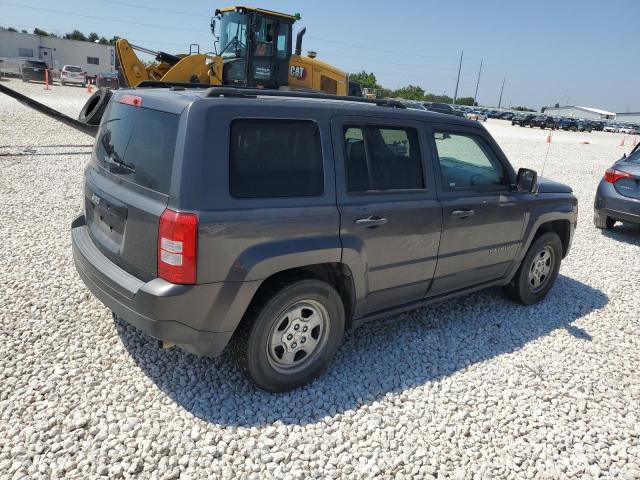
(371, 222)
(462, 213)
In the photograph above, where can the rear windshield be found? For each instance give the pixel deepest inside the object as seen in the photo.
(634, 157)
(72, 69)
(36, 64)
(138, 144)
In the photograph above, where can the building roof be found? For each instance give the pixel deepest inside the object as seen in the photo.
(628, 113)
(587, 109)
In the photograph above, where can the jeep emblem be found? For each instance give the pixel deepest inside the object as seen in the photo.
(95, 199)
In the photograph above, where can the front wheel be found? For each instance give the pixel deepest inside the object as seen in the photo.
(538, 271)
(291, 336)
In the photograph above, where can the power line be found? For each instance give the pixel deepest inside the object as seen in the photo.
(97, 18)
(144, 7)
(396, 52)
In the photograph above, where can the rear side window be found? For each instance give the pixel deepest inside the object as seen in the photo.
(382, 158)
(275, 158)
(138, 144)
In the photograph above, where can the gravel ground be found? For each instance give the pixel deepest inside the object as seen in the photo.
(472, 388)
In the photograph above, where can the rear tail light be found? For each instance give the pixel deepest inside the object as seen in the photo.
(177, 247)
(612, 176)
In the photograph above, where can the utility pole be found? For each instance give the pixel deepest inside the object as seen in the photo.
(501, 90)
(475, 97)
(455, 95)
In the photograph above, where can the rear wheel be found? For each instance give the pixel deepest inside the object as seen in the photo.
(291, 336)
(603, 222)
(538, 271)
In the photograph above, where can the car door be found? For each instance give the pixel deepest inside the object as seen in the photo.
(390, 217)
(482, 218)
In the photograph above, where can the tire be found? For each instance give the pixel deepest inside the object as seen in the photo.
(533, 281)
(603, 222)
(269, 342)
(94, 107)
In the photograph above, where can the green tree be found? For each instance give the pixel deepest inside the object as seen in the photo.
(470, 101)
(557, 105)
(114, 40)
(410, 92)
(24, 31)
(543, 109)
(93, 37)
(365, 79)
(103, 41)
(11, 29)
(75, 35)
(39, 31)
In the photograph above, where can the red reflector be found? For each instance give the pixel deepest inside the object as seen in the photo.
(131, 100)
(177, 247)
(612, 176)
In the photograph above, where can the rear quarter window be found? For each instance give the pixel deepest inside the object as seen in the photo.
(138, 144)
(275, 158)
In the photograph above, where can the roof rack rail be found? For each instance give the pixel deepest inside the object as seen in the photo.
(249, 92)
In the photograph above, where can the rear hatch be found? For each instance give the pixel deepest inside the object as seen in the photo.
(127, 184)
(629, 186)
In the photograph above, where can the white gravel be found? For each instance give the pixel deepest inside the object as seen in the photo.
(472, 388)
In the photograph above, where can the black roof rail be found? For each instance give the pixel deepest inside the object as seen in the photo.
(249, 92)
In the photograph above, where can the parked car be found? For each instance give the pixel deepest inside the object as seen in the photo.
(569, 124)
(523, 119)
(443, 108)
(72, 74)
(294, 233)
(413, 104)
(507, 116)
(635, 130)
(108, 80)
(618, 194)
(477, 115)
(33, 71)
(611, 127)
(625, 129)
(543, 121)
(584, 126)
(597, 125)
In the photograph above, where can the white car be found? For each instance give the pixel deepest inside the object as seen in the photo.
(72, 74)
(625, 129)
(478, 116)
(610, 128)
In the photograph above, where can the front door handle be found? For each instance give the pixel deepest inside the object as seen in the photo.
(371, 222)
(462, 213)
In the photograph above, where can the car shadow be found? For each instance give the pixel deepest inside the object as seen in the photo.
(624, 232)
(385, 356)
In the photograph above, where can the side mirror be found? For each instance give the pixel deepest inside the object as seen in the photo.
(213, 26)
(527, 181)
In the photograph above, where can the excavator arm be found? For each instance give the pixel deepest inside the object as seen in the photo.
(195, 68)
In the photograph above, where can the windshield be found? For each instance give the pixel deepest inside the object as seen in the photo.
(69, 68)
(233, 35)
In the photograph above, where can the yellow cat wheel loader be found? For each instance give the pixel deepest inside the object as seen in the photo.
(254, 50)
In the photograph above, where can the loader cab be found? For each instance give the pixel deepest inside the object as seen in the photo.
(255, 46)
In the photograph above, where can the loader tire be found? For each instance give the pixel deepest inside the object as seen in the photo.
(93, 109)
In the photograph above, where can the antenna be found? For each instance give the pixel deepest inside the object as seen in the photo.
(455, 95)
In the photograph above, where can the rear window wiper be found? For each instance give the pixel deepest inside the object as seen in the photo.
(114, 159)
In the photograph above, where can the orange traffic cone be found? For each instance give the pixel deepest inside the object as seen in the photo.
(46, 79)
(622, 142)
(549, 138)
(89, 89)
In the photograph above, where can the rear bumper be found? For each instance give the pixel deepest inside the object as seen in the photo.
(78, 80)
(609, 202)
(199, 318)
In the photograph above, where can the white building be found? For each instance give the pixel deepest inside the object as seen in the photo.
(587, 113)
(56, 52)
(633, 117)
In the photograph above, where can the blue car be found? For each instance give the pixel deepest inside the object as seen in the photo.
(618, 195)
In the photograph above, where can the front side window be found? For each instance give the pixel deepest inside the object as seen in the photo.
(382, 158)
(233, 35)
(466, 163)
(282, 46)
(275, 158)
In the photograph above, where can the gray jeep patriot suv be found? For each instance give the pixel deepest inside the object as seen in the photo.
(274, 221)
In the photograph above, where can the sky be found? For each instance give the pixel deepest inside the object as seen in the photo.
(576, 52)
